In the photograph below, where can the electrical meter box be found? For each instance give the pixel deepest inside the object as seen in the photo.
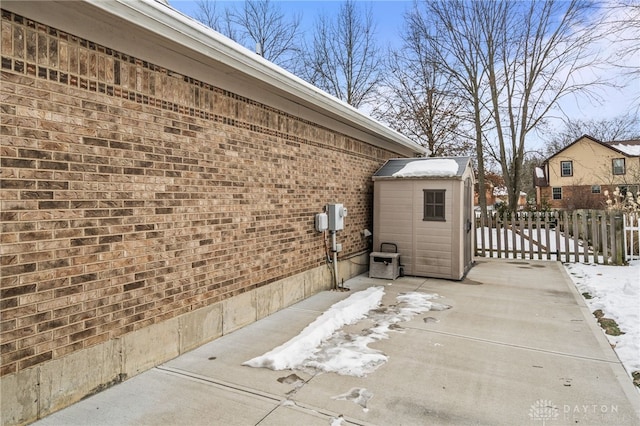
(336, 213)
(322, 222)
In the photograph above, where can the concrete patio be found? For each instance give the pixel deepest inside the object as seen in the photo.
(518, 346)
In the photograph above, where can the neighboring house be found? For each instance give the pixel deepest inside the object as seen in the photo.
(159, 188)
(496, 193)
(501, 196)
(577, 176)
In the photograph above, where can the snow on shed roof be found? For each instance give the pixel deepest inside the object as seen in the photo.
(431, 167)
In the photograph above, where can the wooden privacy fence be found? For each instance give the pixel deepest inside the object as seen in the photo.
(596, 236)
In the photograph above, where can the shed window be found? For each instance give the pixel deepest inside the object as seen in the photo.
(618, 166)
(566, 168)
(434, 204)
(557, 193)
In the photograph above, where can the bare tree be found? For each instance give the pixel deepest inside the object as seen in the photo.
(343, 58)
(623, 19)
(453, 37)
(515, 61)
(259, 25)
(539, 48)
(209, 13)
(622, 127)
(418, 100)
(264, 24)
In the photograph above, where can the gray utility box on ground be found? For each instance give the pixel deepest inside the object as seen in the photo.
(384, 265)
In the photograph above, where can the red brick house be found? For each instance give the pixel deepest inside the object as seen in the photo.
(496, 192)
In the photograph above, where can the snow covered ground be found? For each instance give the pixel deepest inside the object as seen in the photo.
(532, 240)
(615, 290)
(538, 244)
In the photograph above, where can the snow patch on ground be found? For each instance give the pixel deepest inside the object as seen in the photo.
(323, 346)
(360, 396)
(291, 354)
(615, 290)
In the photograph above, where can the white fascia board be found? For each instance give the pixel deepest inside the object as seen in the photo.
(171, 24)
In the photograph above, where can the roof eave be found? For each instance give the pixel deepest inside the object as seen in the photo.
(165, 21)
(173, 33)
(594, 140)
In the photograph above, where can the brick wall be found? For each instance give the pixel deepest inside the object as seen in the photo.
(132, 194)
(576, 197)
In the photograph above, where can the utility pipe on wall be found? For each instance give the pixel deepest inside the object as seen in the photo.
(334, 249)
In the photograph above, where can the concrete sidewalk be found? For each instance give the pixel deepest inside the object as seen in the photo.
(518, 347)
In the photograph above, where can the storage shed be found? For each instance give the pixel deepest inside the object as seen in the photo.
(424, 207)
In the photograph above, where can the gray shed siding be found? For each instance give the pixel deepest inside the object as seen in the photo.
(428, 248)
(393, 219)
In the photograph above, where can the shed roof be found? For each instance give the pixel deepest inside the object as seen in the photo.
(423, 168)
(153, 31)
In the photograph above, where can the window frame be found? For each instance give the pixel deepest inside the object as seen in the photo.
(430, 208)
(553, 193)
(570, 171)
(613, 166)
(596, 189)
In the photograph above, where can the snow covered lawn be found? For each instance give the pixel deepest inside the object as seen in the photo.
(616, 291)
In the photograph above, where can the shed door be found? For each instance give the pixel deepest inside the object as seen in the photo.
(468, 224)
